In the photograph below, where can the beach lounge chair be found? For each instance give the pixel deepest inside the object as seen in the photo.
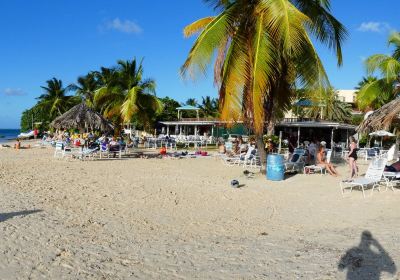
(310, 169)
(295, 162)
(371, 153)
(85, 153)
(392, 179)
(59, 150)
(106, 152)
(251, 159)
(241, 158)
(373, 177)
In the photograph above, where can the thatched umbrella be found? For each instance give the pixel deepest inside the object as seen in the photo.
(82, 117)
(381, 118)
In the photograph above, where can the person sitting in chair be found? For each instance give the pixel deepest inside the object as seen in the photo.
(321, 161)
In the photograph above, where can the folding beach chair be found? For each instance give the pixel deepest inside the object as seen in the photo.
(296, 162)
(373, 176)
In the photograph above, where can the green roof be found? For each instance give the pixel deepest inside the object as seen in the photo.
(188, 107)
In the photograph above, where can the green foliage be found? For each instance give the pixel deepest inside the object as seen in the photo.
(55, 99)
(120, 93)
(125, 96)
(363, 140)
(357, 119)
(261, 50)
(169, 112)
(209, 107)
(375, 92)
(35, 115)
(273, 138)
(328, 107)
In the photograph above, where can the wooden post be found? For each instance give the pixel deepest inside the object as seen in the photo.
(298, 136)
(280, 142)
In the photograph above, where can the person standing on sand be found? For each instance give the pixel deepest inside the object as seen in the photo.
(35, 133)
(352, 158)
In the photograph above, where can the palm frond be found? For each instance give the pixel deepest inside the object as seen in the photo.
(197, 26)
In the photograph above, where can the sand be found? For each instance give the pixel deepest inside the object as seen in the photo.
(180, 219)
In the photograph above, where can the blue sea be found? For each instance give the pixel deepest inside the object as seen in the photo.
(7, 134)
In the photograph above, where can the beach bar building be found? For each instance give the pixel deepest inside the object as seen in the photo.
(196, 126)
(309, 129)
(304, 129)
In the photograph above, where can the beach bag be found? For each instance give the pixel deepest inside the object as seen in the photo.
(163, 151)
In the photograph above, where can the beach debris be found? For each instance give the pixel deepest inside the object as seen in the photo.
(248, 174)
(234, 183)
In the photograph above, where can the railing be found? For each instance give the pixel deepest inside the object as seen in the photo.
(292, 120)
(198, 119)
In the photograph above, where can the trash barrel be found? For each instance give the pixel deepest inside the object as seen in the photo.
(275, 167)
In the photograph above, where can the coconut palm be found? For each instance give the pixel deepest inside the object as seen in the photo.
(86, 87)
(125, 93)
(365, 80)
(327, 106)
(378, 92)
(262, 47)
(209, 106)
(55, 100)
(191, 102)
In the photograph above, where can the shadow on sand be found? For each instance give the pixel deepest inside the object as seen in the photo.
(366, 261)
(6, 216)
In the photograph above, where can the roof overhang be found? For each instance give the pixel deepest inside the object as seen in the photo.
(313, 124)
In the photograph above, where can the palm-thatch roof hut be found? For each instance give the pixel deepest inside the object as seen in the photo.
(82, 117)
(382, 118)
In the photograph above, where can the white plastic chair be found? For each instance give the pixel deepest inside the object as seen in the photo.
(373, 176)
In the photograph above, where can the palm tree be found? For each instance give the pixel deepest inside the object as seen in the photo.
(55, 100)
(327, 106)
(191, 102)
(86, 87)
(209, 106)
(377, 92)
(126, 94)
(262, 47)
(365, 80)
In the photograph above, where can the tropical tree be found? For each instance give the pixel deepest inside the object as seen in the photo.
(365, 80)
(86, 87)
(169, 112)
(55, 99)
(126, 94)
(191, 102)
(378, 92)
(263, 48)
(327, 106)
(209, 106)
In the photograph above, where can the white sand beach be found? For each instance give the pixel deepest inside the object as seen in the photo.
(180, 219)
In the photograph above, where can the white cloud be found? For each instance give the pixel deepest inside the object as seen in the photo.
(374, 26)
(125, 26)
(13, 92)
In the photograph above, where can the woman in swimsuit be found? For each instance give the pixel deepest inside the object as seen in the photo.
(321, 161)
(352, 158)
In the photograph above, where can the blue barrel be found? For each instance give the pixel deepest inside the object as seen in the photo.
(275, 167)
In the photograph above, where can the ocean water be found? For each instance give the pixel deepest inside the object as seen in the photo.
(7, 134)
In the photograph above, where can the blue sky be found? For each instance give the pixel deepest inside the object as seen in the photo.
(65, 39)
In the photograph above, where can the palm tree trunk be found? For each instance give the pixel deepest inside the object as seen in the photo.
(261, 152)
